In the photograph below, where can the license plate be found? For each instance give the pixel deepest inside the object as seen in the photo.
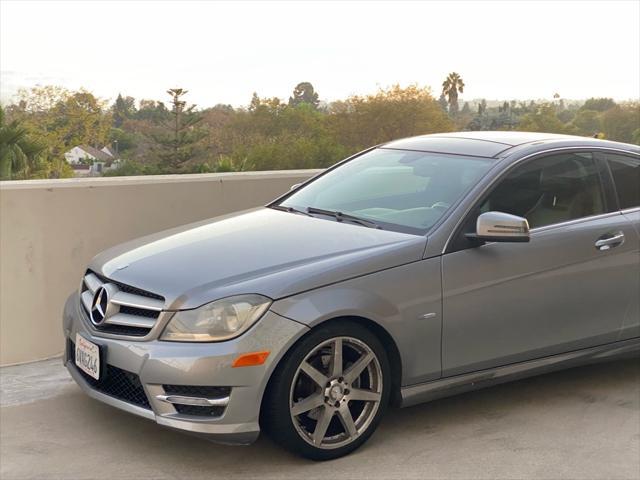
(88, 356)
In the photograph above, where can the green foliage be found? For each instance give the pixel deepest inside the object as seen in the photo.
(544, 119)
(132, 168)
(124, 108)
(177, 141)
(229, 164)
(152, 111)
(270, 133)
(62, 119)
(598, 104)
(621, 122)
(20, 155)
(126, 141)
(588, 122)
(360, 122)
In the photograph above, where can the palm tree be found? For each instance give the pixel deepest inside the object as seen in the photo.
(450, 88)
(19, 155)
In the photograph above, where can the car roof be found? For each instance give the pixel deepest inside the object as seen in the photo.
(491, 144)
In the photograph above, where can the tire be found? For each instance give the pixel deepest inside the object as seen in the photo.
(359, 390)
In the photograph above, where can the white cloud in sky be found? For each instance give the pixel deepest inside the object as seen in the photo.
(222, 52)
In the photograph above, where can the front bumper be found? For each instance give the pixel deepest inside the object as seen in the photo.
(157, 364)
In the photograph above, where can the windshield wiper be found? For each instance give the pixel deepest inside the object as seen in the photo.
(290, 210)
(339, 216)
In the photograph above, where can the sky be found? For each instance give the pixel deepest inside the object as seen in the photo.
(222, 52)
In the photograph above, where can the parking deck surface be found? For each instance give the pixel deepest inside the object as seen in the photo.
(582, 423)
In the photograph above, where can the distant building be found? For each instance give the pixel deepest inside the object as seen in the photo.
(89, 161)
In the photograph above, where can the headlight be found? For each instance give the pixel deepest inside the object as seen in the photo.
(216, 321)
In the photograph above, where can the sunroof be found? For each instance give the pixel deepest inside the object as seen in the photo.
(452, 145)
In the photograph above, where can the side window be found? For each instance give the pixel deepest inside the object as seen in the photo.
(626, 176)
(549, 190)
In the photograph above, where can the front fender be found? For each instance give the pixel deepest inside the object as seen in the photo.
(405, 301)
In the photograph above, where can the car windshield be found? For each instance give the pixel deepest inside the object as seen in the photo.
(400, 190)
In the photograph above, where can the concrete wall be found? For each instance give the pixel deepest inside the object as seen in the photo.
(50, 229)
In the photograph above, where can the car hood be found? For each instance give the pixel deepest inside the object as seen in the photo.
(264, 251)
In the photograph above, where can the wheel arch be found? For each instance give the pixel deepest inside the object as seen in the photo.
(387, 341)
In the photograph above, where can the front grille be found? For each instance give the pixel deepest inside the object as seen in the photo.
(128, 288)
(131, 311)
(115, 382)
(122, 330)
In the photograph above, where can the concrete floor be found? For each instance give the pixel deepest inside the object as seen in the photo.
(577, 424)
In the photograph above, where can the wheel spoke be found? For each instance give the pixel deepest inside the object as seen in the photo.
(366, 395)
(307, 404)
(314, 374)
(336, 372)
(336, 358)
(347, 420)
(322, 425)
(356, 369)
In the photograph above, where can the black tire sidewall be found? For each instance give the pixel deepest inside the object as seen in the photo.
(275, 415)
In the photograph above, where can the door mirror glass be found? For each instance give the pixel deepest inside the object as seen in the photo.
(501, 227)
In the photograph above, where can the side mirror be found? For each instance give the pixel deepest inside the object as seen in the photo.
(501, 227)
(293, 187)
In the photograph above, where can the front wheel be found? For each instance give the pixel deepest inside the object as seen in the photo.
(329, 392)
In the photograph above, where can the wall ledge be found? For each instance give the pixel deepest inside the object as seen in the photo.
(152, 179)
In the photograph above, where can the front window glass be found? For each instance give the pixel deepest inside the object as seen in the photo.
(397, 189)
(549, 190)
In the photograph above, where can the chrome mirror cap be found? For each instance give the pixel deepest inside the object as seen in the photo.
(502, 227)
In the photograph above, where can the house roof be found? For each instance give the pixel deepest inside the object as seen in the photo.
(95, 153)
(109, 151)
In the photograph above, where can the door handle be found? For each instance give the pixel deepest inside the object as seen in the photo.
(608, 241)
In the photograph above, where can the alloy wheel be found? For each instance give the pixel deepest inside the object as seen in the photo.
(336, 392)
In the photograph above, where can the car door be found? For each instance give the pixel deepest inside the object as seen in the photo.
(564, 290)
(625, 171)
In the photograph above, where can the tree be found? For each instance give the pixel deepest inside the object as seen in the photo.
(598, 104)
(544, 119)
(62, 119)
(482, 107)
(82, 119)
(620, 123)
(304, 93)
(453, 85)
(20, 155)
(588, 122)
(442, 101)
(123, 109)
(397, 112)
(152, 111)
(178, 142)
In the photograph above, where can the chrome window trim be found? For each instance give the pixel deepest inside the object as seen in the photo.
(518, 162)
(631, 210)
(590, 218)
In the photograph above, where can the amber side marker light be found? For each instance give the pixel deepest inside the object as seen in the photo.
(250, 359)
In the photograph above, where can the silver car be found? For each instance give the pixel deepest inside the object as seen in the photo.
(417, 269)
